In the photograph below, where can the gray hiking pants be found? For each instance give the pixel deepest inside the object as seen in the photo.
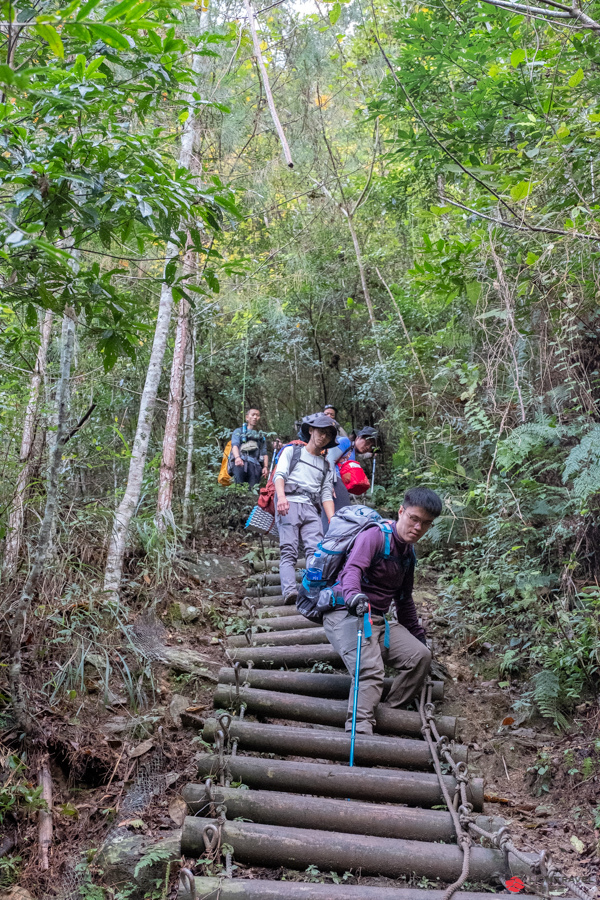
(302, 521)
(405, 653)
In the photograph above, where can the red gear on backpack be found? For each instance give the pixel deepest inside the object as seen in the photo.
(354, 477)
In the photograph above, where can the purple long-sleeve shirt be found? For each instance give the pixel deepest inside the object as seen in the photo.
(384, 581)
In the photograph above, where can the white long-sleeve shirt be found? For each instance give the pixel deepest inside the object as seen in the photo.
(307, 474)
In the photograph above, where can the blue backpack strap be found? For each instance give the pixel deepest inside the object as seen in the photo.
(387, 529)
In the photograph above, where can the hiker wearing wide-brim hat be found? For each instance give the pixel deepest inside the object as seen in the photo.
(323, 422)
(303, 486)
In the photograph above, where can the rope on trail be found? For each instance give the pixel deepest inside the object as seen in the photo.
(461, 812)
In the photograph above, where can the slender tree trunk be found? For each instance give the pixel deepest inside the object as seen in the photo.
(137, 463)
(266, 84)
(68, 324)
(189, 402)
(45, 815)
(16, 515)
(363, 281)
(169, 451)
(127, 506)
(19, 616)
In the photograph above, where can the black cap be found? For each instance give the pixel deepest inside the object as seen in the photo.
(370, 434)
(318, 420)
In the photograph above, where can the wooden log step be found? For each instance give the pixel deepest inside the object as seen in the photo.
(373, 750)
(291, 638)
(268, 590)
(297, 848)
(277, 705)
(268, 612)
(261, 602)
(315, 684)
(273, 565)
(286, 622)
(286, 656)
(330, 814)
(271, 578)
(322, 779)
(251, 889)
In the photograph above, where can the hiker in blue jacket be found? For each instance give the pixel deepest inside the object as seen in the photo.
(346, 449)
(249, 461)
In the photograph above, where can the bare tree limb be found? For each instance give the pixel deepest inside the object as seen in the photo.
(81, 422)
(367, 187)
(266, 84)
(564, 12)
(536, 228)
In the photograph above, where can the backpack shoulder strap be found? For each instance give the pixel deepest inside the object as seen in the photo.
(296, 451)
(324, 471)
(387, 529)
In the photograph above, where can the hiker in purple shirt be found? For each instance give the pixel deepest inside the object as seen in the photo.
(368, 577)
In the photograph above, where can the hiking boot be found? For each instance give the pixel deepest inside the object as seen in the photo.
(290, 598)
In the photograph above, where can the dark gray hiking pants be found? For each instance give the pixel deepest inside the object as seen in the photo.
(405, 653)
(301, 522)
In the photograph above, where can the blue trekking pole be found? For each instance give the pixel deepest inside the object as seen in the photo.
(359, 635)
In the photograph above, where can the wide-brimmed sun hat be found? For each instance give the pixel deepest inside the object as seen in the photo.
(318, 420)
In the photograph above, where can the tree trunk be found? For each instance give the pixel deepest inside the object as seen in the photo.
(363, 281)
(169, 451)
(266, 84)
(189, 398)
(127, 506)
(28, 593)
(16, 515)
(45, 815)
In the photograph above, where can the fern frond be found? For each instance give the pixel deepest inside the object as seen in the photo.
(547, 695)
(523, 440)
(583, 462)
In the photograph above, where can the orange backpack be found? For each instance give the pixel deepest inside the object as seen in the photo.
(224, 477)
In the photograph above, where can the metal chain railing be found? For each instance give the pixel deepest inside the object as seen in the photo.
(461, 811)
(426, 709)
(212, 833)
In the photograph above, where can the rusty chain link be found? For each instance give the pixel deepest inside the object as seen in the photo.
(461, 811)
